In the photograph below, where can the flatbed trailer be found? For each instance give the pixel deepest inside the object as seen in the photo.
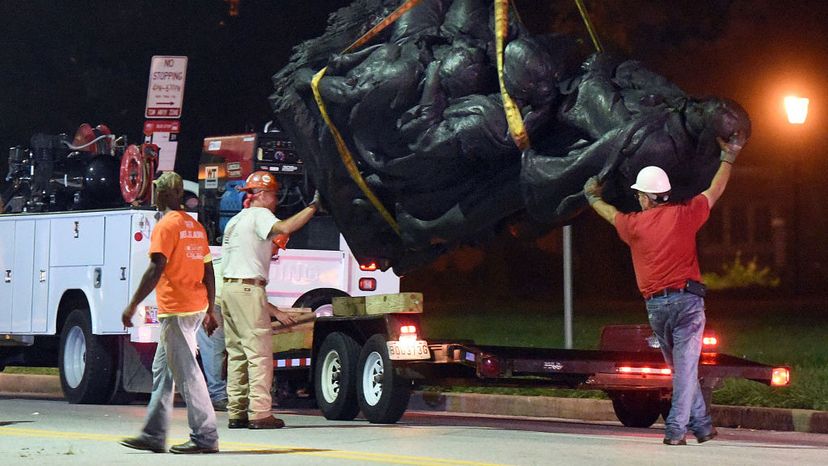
(370, 363)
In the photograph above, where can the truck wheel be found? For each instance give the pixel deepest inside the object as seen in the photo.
(87, 362)
(320, 300)
(383, 395)
(636, 408)
(335, 377)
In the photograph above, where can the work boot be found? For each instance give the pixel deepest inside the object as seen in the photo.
(189, 447)
(674, 441)
(237, 424)
(704, 438)
(220, 405)
(140, 443)
(269, 422)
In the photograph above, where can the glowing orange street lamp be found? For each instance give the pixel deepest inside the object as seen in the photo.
(797, 109)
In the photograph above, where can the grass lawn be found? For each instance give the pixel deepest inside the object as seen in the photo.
(774, 332)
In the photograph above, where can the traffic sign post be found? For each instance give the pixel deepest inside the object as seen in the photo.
(165, 92)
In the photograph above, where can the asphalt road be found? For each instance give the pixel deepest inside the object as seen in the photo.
(45, 431)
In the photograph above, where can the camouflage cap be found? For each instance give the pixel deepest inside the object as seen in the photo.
(168, 181)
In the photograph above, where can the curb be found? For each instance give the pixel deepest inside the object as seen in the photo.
(584, 409)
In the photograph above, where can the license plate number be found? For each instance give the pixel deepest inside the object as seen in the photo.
(408, 350)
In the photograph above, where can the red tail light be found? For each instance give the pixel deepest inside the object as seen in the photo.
(408, 332)
(139, 236)
(710, 342)
(645, 370)
(780, 376)
(489, 366)
(367, 284)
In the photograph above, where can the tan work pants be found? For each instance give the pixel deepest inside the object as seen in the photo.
(248, 338)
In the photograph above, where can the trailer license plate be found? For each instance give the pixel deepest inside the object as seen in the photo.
(408, 350)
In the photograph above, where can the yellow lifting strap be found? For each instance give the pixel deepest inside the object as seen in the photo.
(513, 116)
(344, 153)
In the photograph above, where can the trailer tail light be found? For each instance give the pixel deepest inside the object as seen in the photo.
(368, 267)
(367, 284)
(780, 376)
(489, 366)
(644, 370)
(408, 332)
(710, 342)
(407, 346)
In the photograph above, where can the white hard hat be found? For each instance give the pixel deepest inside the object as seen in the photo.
(652, 180)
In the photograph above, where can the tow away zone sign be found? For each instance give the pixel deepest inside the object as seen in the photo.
(165, 92)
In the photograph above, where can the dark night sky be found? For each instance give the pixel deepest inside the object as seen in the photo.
(63, 63)
(68, 62)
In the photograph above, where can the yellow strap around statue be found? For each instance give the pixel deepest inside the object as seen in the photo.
(513, 116)
(341, 147)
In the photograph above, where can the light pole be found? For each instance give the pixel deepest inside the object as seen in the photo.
(797, 109)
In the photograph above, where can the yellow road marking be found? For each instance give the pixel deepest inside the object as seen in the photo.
(244, 447)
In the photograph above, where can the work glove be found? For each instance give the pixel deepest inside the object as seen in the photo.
(317, 201)
(592, 190)
(731, 147)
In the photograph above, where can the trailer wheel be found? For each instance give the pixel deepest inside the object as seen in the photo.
(320, 300)
(636, 408)
(383, 395)
(335, 377)
(87, 362)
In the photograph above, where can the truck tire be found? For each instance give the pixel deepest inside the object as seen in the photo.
(636, 408)
(335, 377)
(320, 300)
(87, 362)
(382, 394)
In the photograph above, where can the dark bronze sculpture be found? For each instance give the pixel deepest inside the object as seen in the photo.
(420, 110)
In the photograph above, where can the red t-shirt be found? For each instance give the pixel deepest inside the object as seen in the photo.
(183, 241)
(663, 243)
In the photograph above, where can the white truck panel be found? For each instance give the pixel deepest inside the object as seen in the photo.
(23, 272)
(6, 269)
(77, 240)
(40, 281)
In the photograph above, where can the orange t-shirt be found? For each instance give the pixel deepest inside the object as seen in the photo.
(183, 241)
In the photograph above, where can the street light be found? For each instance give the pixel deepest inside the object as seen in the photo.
(797, 109)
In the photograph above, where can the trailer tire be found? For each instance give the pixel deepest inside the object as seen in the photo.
(383, 395)
(636, 408)
(320, 300)
(87, 362)
(335, 377)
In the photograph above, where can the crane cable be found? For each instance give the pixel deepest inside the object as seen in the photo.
(588, 23)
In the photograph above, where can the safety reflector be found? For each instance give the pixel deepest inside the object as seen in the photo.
(139, 236)
(367, 284)
(294, 362)
(780, 376)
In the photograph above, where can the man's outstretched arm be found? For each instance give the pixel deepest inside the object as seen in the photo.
(592, 191)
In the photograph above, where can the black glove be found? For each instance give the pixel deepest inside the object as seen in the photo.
(592, 190)
(732, 147)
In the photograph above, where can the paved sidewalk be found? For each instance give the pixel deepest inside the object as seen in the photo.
(798, 420)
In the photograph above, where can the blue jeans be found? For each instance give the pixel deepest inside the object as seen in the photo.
(175, 365)
(678, 322)
(211, 352)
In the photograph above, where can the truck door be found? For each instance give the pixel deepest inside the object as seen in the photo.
(23, 271)
(40, 279)
(7, 270)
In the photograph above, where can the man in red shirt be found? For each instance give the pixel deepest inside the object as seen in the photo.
(662, 240)
(181, 272)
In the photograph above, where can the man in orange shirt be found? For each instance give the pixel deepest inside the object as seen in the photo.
(181, 271)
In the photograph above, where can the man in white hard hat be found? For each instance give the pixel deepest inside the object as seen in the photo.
(662, 239)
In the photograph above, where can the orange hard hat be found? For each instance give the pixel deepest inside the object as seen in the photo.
(260, 180)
